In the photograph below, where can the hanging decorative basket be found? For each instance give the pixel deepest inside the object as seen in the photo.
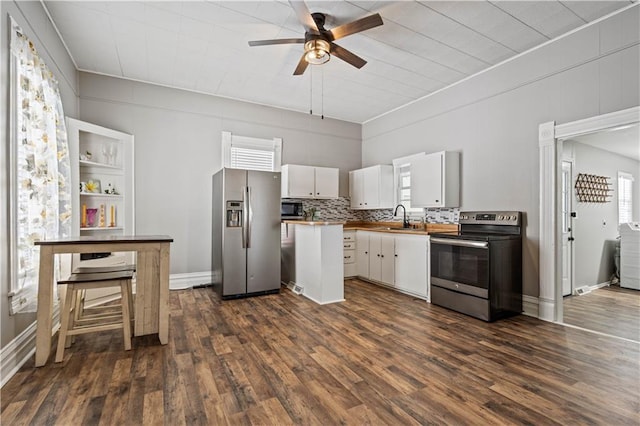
(593, 188)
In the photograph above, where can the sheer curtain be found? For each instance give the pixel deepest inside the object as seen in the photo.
(41, 167)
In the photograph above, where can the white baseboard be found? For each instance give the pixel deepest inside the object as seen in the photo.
(17, 352)
(530, 306)
(189, 280)
(546, 310)
(22, 347)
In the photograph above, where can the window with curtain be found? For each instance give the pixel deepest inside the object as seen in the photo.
(402, 179)
(242, 152)
(40, 174)
(625, 201)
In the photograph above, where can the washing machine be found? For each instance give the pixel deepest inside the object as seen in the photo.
(630, 255)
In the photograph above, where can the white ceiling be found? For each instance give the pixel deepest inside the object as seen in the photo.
(624, 141)
(202, 46)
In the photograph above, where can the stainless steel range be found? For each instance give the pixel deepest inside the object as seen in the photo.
(478, 271)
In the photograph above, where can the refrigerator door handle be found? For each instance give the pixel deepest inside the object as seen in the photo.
(245, 217)
(249, 216)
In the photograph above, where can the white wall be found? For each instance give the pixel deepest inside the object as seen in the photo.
(177, 150)
(596, 227)
(493, 118)
(34, 22)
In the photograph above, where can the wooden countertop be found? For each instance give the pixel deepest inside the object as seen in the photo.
(314, 222)
(396, 228)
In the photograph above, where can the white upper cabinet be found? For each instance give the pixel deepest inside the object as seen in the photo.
(371, 187)
(435, 180)
(309, 181)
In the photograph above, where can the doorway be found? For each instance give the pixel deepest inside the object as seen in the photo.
(554, 271)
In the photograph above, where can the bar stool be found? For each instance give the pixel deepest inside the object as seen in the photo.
(72, 324)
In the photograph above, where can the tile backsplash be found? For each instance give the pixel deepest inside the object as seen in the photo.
(338, 209)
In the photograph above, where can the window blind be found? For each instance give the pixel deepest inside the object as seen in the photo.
(625, 205)
(251, 159)
(243, 152)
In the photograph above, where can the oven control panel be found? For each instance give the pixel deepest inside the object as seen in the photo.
(513, 218)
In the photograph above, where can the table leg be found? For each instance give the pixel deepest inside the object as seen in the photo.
(45, 306)
(163, 302)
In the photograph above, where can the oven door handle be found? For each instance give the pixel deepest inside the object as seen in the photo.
(461, 243)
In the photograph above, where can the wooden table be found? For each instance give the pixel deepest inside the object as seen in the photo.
(152, 282)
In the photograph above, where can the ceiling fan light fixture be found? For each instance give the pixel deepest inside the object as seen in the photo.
(317, 52)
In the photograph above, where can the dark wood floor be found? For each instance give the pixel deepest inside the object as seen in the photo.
(611, 310)
(378, 358)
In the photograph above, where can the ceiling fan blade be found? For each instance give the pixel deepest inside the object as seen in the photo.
(304, 16)
(302, 66)
(356, 26)
(276, 41)
(348, 57)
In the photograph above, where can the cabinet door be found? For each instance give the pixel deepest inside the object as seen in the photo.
(426, 181)
(362, 254)
(355, 189)
(326, 182)
(301, 181)
(371, 187)
(375, 261)
(411, 264)
(387, 262)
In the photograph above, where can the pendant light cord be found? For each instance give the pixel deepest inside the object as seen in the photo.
(322, 93)
(311, 91)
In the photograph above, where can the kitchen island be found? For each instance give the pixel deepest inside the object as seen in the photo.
(318, 263)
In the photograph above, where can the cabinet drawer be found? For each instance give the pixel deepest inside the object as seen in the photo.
(349, 245)
(351, 236)
(349, 256)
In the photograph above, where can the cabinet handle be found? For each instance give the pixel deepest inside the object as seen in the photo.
(378, 255)
(317, 193)
(382, 255)
(347, 257)
(311, 193)
(437, 201)
(366, 252)
(395, 255)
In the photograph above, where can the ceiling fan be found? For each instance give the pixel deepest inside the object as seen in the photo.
(319, 42)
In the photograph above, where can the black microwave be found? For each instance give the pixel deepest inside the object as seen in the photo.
(291, 210)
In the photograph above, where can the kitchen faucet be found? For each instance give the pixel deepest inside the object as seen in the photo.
(405, 221)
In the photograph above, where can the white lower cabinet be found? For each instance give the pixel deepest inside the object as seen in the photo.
(381, 260)
(396, 260)
(412, 264)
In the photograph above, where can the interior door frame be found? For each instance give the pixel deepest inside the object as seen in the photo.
(571, 163)
(550, 140)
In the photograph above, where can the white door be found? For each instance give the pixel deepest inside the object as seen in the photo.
(426, 181)
(355, 189)
(411, 264)
(326, 182)
(362, 254)
(387, 260)
(371, 187)
(301, 181)
(374, 256)
(567, 239)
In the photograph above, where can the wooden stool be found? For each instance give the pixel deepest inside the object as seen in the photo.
(72, 324)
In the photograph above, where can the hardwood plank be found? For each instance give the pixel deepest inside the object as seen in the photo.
(380, 357)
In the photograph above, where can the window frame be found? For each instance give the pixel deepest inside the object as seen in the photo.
(629, 177)
(398, 163)
(230, 140)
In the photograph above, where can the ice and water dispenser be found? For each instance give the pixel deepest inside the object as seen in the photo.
(234, 214)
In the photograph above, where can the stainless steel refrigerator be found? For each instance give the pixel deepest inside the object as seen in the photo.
(246, 232)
